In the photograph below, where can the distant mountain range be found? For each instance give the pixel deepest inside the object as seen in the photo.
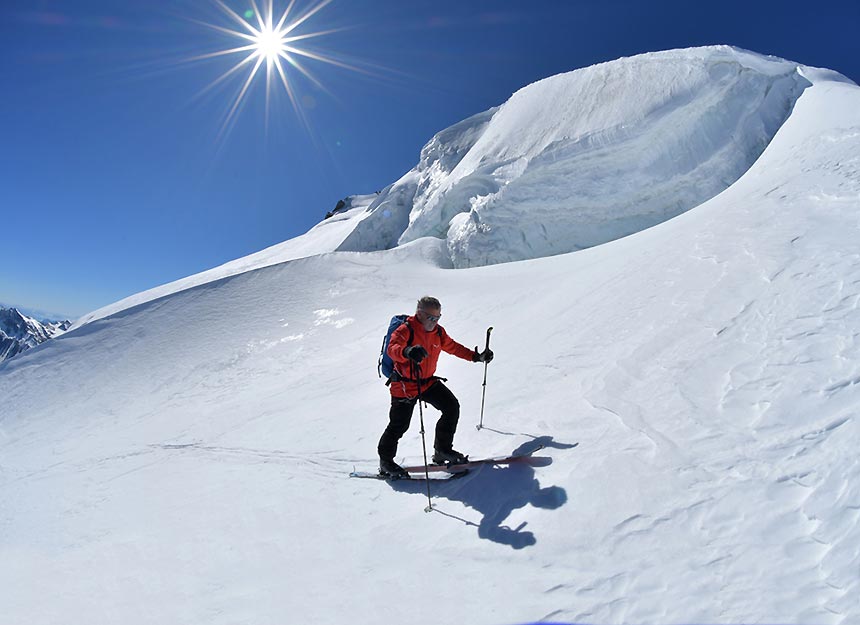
(18, 332)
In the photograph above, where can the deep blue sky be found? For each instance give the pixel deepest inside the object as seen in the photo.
(113, 175)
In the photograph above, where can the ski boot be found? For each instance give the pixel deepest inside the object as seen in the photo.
(449, 456)
(392, 470)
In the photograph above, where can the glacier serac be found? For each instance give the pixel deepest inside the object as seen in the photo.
(586, 157)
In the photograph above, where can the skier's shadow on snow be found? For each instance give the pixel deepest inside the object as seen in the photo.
(496, 491)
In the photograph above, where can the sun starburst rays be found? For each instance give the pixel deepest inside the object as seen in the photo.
(272, 48)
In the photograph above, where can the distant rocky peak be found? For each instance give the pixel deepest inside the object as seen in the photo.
(19, 332)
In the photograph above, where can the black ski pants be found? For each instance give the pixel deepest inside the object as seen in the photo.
(440, 397)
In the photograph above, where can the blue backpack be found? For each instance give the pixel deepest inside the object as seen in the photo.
(386, 365)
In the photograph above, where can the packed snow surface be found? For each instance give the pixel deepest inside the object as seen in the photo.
(696, 386)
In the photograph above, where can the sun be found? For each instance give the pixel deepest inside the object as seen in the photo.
(270, 48)
(271, 44)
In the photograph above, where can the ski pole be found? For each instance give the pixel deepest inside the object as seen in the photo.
(416, 374)
(484, 385)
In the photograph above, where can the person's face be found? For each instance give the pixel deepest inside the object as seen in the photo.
(428, 317)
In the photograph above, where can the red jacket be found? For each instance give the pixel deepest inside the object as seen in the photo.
(435, 342)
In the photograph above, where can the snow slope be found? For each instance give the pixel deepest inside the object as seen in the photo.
(707, 368)
(324, 237)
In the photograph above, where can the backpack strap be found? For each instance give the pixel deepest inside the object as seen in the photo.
(396, 377)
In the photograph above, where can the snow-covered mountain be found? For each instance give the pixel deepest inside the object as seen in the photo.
(582, 158)
(566, 163)
(707, 370)
(18, 332)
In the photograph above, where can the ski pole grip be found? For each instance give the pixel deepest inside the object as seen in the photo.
(490, 329)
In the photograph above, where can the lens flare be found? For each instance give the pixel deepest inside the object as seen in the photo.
(273, 47)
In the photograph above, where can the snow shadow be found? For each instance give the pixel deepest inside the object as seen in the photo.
(497, 491)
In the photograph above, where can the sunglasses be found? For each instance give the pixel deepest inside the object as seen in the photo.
(430, 317)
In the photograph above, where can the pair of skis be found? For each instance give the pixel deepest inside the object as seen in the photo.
(446, 471)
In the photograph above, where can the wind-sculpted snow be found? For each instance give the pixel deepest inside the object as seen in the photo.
(587, 157)
(695, 387)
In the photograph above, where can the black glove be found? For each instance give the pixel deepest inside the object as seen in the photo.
(415, 353)
(484, 356)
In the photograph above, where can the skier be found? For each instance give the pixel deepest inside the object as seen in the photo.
(414, 363)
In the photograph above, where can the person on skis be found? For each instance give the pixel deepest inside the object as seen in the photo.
(414, 367)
